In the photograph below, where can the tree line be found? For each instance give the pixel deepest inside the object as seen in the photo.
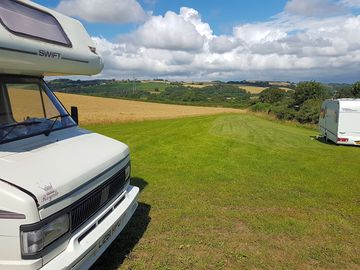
(303, 103)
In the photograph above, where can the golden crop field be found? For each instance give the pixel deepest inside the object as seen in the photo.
(284, 84)
(252, 89)
(107, 110)
(197, 85)
(258, 89)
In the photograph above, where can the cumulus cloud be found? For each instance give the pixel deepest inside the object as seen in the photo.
(193, 16)
(314, 8)
(172, 32)
(351, 3)
(107, 11)
(222, 44)
(287, 47)
(258, 33)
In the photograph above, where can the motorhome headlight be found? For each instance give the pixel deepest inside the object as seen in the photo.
(127, 172)
(36, 237)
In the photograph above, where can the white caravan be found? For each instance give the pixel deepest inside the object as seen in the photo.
(64, 191)
(340, 121)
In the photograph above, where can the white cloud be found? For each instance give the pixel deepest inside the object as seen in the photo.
(314, 8)
(351, 3)
(107, 11)
(287, 47)
(171, 32)
(191, 15)
(222, 44)
(258, 33)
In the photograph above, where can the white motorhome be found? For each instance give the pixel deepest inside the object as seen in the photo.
(340, 121)
(64, 191)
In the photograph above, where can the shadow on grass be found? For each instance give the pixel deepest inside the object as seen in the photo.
(139, 182)
(323, 140)
(122, 246)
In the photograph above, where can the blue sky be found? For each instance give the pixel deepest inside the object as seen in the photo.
(222, 15)
(227, 40)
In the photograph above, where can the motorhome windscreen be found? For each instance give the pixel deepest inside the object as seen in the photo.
(24, 20)
(29, 108)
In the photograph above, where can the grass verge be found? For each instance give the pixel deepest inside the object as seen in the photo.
(237, 192)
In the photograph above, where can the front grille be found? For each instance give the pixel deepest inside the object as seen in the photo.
(92, 202)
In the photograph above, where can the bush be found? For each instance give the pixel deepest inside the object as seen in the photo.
(260, 107)
(309, 111)
(283, 112)
(272, 95)
(355, 90)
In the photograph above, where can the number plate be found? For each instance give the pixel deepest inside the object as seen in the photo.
(111, 231)
(358, 142)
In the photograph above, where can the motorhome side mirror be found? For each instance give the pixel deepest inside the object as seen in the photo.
(74, 114)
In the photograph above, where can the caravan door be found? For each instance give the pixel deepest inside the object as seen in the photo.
(332, 120)
(329, 119)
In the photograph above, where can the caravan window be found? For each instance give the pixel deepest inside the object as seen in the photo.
(24, 20)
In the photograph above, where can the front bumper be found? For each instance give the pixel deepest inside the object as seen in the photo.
(87, 245)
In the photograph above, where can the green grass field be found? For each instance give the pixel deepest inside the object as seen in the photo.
(237, 192)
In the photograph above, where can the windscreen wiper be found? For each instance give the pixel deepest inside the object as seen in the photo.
(49, 130)
(14, 125)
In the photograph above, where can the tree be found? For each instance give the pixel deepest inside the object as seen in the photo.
(344, 93)
(355, 90)
(309, 111)
(310, 90)
(272, 95)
